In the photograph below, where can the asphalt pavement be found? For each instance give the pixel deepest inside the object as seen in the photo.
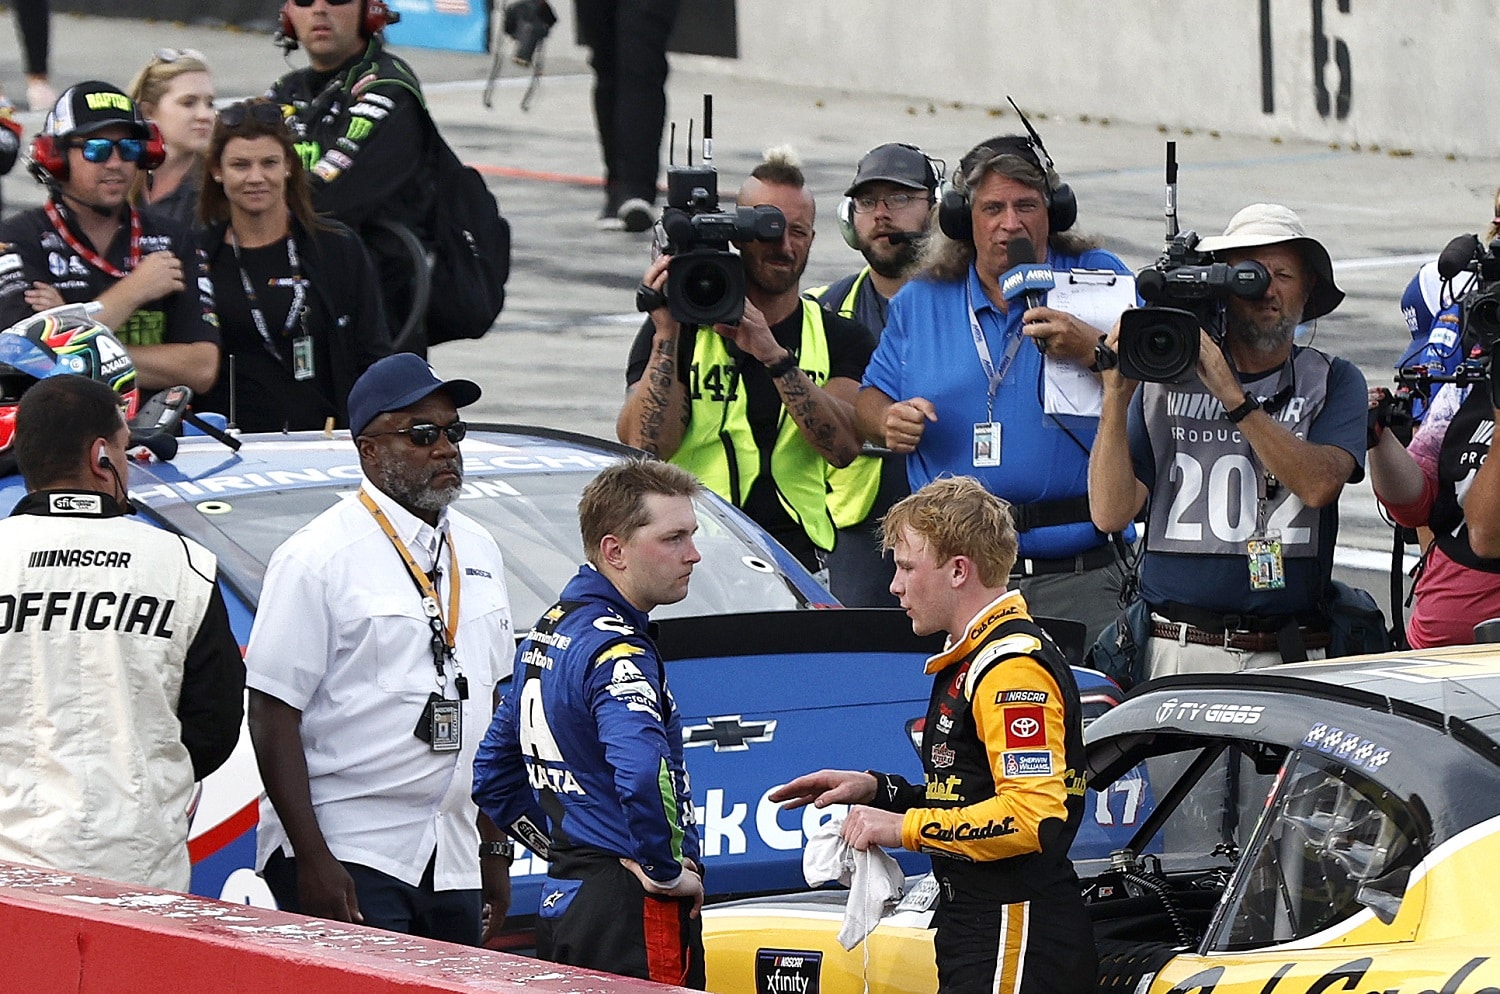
(557, 356)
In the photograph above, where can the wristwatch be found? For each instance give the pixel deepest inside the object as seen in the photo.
(506, 849)
(1243, 411)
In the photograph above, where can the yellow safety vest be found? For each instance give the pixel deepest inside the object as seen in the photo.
(852, 490)
(719, 447)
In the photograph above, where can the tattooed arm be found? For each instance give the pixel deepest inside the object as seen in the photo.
(655, 414)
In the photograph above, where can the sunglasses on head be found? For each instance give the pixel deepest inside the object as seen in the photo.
(331, 3)
(262, 112)
(170, 55)
(100, 149)
(426, 436)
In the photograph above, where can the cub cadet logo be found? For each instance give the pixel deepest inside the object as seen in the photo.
(945, 789)
(969, 833)
(108, 101)
(1227, 714)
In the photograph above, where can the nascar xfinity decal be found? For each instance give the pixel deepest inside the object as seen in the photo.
(787, 971)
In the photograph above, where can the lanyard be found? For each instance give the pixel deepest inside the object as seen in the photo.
(299, 292)
(89, 255)
(986, 361)
(443, 633)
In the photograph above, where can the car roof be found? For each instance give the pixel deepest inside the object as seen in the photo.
(1420, 723)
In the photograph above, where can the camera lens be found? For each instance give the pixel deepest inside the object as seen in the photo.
(704, 286)
(1158, 344)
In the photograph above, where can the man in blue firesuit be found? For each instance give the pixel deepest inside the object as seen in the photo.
(583, 761)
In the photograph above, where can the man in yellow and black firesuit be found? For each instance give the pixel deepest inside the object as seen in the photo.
(1002, 751)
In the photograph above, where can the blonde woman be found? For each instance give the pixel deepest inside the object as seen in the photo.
(176, 91)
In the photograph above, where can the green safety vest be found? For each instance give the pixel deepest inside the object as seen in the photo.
(719, 447)
(852, 490)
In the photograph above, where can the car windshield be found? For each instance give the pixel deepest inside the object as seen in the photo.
(533, 517)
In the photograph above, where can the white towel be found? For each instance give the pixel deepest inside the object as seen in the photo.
(872, 876)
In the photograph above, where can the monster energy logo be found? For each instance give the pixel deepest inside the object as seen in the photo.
(308, 152)
(359, 129)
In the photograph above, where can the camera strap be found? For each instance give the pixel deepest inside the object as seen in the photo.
(992, 373)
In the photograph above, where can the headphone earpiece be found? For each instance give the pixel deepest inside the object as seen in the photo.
(104, 462)
(845, 215)
(156, 148)
(46, 157)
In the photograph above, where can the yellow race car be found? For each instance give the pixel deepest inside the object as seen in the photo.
(1319, 827)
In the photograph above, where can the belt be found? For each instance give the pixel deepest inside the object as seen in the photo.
(1095, 558)
(1046, 513)
(1184, 633)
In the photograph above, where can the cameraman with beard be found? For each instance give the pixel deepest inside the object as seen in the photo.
(885, 215)
(1239, 468)
(762, 410)
(384, 626)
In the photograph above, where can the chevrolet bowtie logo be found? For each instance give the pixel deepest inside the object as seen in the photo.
(728, 733)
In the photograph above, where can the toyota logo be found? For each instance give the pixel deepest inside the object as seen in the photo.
(1025, 727)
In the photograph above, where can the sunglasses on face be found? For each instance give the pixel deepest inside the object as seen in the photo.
(331, 3)
(263, 112)
(100, 149)
(426, 436)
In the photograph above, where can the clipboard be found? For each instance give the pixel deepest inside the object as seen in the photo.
(1097, 297)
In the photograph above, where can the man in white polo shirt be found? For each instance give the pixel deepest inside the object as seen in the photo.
(384, 625)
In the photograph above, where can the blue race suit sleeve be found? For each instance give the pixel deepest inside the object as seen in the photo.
(627, 695)
(501, 788)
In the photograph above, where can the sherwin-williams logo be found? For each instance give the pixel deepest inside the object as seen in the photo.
(108, 101)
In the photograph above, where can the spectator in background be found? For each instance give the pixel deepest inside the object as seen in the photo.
(34, 25)
(885, 214)
(298, 300)
(1433, 483)
(175, 91)
(628, 41)
(88, 243)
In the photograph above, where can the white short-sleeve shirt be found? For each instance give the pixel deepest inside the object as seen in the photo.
(340, 634)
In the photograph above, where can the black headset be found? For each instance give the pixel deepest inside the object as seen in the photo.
(954, 213)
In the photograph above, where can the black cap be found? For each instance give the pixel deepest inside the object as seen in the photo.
(904, 165)
(88, 107)
(396, 382)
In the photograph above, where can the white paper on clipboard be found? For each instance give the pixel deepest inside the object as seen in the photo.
(1096, 297)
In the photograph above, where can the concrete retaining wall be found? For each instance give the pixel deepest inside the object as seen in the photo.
(65, 934)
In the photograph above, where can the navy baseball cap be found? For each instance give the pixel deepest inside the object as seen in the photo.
(399, 381)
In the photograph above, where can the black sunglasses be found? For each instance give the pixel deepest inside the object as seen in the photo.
(426, 436)
(260, 111)
(331, 3)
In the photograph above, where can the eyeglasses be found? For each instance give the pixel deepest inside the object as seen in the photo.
(170, 55)
(865, 204)
(331, 3)
(261, 111)
(426, 436)
(100, 149)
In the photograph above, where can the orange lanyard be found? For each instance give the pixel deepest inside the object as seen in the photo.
(446, 628)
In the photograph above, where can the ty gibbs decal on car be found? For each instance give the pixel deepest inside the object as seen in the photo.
(1225, 714)
(787, 971)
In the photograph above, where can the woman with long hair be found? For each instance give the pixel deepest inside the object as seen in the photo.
(298, 301)
(175, 90)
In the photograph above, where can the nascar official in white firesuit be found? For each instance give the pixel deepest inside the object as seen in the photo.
(1002, 751)
(122, 680)
(589, 739)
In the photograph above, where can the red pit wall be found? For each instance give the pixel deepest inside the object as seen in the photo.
(67, 934)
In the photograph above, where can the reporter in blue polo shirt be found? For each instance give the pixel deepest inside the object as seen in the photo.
(955, 385)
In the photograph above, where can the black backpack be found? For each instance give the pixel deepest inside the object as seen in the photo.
(470, 248)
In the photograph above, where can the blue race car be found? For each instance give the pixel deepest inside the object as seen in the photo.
(772, 676)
